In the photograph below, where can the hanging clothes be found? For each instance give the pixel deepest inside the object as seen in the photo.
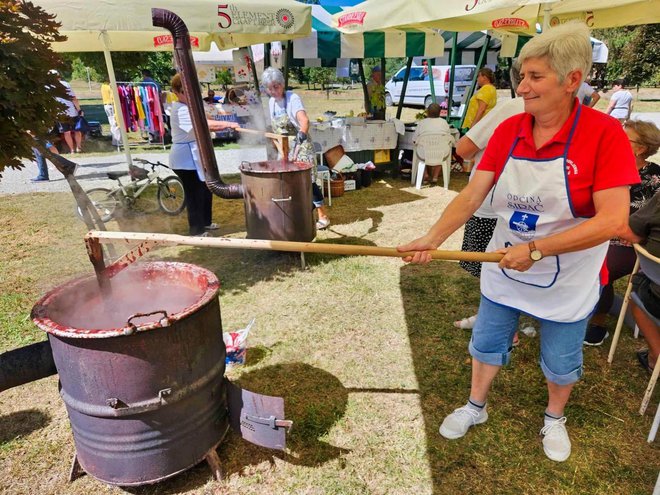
(141, 107)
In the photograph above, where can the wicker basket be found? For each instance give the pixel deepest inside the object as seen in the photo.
(336, 187)
(333, 155)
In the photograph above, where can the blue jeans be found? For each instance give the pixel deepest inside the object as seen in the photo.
(561, 343)
(41, 163)
(317, 195)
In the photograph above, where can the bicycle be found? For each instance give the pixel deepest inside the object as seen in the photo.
(169, 197)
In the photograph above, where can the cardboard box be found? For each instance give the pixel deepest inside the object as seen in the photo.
(333, 155)
(381, 156)
(349, 185)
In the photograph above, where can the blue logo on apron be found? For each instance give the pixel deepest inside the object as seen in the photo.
(523, 224)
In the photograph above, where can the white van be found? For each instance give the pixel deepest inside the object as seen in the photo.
(418, 91)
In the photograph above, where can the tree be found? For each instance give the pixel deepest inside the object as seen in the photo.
(321, 75)
(224, 78)
(80, 71)
(27, 99)
(633, 53)
(128, 65)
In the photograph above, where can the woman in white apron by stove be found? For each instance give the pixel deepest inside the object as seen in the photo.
(185, 162)
(560, 174)
(288, 117)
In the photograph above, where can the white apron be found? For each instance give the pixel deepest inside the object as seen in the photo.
(532, 201)
(187, 153)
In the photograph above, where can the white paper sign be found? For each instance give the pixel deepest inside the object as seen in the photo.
(242, 65)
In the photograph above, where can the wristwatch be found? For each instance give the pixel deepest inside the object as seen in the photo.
(534, 254)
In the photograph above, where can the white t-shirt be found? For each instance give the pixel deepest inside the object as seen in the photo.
(480, 134)
(623, 99)
(291, 104)
(70, 107)
(184, 145)
(584, 93)
(433, 126)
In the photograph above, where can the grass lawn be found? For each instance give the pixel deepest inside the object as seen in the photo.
(361, 348)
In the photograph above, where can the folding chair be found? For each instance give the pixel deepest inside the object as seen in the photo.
(322, 171)
(650, 266)
(432, 149)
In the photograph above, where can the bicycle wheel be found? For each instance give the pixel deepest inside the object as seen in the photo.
(146, 201)
(104, 201)
(171, 196)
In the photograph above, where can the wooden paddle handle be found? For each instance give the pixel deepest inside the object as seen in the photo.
(281, 141)
(303, 247)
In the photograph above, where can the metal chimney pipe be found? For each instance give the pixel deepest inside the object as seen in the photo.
(183, 56)
(26, 364)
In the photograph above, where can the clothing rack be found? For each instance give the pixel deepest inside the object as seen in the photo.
(140, 104)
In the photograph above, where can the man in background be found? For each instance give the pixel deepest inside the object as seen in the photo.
(587, 95)
(110, 110)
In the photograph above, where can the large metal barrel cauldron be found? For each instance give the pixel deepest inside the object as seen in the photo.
(145, 394)
(278, 200)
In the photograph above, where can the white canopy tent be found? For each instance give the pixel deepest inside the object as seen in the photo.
(214, 56)
(120, 25)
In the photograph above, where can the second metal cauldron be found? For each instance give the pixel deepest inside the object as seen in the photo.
(278, 200)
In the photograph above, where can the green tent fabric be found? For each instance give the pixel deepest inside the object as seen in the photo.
(326, 44)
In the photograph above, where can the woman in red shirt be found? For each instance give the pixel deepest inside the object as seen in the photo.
(560, 174)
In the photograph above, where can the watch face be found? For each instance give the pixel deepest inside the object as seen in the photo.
(536, 255)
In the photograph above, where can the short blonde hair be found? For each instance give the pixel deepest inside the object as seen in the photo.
(566, 47)
(649, 135)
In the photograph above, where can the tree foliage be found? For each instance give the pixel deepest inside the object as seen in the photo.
(27, 98)
(224, 78)
(80, 71)
(128, 65)
(633, 53)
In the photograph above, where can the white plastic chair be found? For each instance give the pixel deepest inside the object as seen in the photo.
(322, 171)
(431, 149)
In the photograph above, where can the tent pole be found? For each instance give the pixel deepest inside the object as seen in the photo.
(480, 64)
(429, 66)
(113, 84)
(367, 103)
(267, 49)
(254, 71)
(547, 10)
(285, 54)
(509, 65)
(454, 51)
(403, 88)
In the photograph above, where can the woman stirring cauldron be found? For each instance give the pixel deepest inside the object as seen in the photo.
(288, 116)
(560, 173)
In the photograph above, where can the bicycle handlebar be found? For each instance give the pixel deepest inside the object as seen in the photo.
(147, 162)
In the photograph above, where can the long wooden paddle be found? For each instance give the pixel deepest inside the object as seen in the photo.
(150, 240)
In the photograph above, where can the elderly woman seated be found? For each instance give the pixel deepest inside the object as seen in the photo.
(432, 124)
(645, 229)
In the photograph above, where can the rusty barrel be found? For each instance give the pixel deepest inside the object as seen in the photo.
(145, 394)
(278, 200)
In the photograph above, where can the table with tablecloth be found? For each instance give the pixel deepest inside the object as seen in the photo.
(371, 135)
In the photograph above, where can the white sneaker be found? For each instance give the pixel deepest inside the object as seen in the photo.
(457, 423)
(556, 444)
